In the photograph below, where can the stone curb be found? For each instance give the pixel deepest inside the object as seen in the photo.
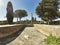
(48, 29)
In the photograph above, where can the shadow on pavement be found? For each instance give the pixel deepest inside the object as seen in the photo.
(10, 38)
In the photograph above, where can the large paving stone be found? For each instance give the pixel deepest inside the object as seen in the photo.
(30, 36)
(48, 29)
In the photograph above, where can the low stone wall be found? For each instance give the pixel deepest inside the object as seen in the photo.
(48, 29)
(29, 25)
(9, 30)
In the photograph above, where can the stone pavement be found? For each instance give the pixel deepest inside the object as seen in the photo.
(48, 29)
(30, 36)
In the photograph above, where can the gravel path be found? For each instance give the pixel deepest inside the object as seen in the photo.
(30, 36)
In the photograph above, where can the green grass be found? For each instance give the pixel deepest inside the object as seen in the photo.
(52, 40)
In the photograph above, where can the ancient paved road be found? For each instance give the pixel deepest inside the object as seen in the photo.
(30, 36)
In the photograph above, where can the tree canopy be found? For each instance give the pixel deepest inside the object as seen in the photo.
(9, 14)
(48, 10)
(20, 13)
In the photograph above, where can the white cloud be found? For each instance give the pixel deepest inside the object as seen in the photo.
(1, 3)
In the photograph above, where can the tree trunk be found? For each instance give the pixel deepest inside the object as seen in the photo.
(17, 18)
(20, 20)
(48, 22)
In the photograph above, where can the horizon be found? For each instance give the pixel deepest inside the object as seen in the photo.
(27, 5)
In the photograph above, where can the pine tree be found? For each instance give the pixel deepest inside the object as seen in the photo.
(47, 10)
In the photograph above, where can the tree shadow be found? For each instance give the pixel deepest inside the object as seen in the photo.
(10, 38)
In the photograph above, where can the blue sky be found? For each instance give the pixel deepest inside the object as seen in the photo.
(28, 5)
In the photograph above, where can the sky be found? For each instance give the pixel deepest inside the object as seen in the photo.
(28, 5)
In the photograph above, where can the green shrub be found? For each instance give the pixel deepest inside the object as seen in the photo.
(52, 40)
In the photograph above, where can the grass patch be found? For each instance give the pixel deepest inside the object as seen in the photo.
(52, 40)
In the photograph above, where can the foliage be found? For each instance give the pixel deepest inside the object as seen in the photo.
(9, 18)
(20, 13)
(9, 14)
(48, 10)
(52, 40)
